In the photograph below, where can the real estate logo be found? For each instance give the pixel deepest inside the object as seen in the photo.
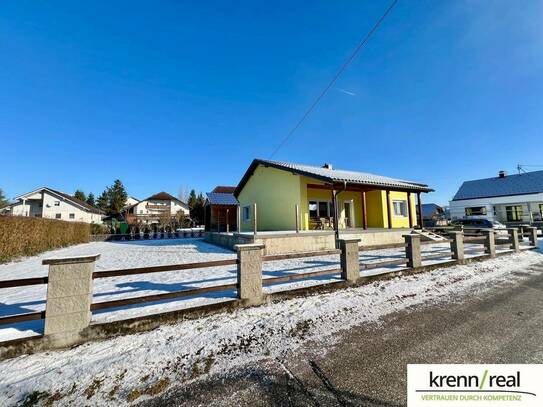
(474, 385)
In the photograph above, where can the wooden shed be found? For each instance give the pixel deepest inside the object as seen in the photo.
(221, 210)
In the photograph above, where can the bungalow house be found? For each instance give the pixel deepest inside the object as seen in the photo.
(288, 195)
(155, 209)
(49, 203)
(506, 198)
(221, 210)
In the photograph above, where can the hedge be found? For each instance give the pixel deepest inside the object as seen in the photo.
(23, 236)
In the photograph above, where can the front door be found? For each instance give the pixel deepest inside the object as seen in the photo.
(347, 207)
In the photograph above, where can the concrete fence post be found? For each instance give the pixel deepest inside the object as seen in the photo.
(457, 245)
(490, 242)
(255, 220)
(297, 215)
(513, 239)
(249, 282)
(412, 250)
(350, 263)
(532, 235)
(69, 297)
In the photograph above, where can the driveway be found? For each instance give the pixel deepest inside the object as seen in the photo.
(368, 365)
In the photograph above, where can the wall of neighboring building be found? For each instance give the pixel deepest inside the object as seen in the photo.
(47, 207)
(174, 207)
(496, 207)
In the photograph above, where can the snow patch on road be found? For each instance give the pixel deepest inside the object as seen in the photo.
(128, 368)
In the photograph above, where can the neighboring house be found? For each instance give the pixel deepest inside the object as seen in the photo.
(433, 215)
(363, 200)
(131, 201)
(506, 198)
(156, 208)
(221, 209)
(49, 203)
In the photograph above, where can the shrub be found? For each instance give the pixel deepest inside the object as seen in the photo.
(23, 236)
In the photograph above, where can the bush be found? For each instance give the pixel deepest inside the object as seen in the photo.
(96, 229)
(23, 236)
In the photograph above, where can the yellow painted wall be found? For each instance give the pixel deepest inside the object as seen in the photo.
(275, 193)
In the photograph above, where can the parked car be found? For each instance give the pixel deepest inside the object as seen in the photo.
(476, 224)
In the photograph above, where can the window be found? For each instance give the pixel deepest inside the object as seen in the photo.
(72, 215)
(58, 215)
(320, 209)
(246, 213)
(400, 208)
(514, 213)
(313, 211)
(476, 210)
(57, 203)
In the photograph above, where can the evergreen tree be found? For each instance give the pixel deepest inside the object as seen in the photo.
(197, 208)
(191, 202)
(3, 199)
(80, 195)
(103, 201)
(91, 200)
(117, 197)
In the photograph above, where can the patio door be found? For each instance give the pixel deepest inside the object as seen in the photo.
(349, 214)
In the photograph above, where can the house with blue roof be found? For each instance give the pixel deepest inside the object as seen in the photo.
(506, 198)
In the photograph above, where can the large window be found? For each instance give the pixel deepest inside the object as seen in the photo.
(400, 208)
(320, 209)
(514, 213)
(476, 210)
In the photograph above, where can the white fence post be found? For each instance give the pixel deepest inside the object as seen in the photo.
(249, 282)
(69, 297)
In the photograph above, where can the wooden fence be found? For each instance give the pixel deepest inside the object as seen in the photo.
(249, 272)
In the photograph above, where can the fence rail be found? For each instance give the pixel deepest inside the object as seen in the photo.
(249, 263)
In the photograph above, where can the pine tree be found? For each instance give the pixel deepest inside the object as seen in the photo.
(3, 199)
(78, 194)
(197, 208)
(117, 197)
(90, 199)
(103, 201)
(192, 199)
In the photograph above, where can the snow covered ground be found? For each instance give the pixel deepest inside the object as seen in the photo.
(117, 255)
(123, 369)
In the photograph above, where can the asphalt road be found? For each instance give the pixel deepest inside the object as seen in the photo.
(368, 366)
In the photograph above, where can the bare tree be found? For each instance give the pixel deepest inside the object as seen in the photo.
(183, 193)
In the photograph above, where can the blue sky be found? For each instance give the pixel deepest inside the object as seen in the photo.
(174, 94)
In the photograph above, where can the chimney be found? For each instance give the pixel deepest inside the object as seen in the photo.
(328, 166)
(502, 174)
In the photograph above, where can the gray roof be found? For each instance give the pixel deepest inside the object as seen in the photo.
(431, 209)
(330, 175)
(518, 184)
(219, 198)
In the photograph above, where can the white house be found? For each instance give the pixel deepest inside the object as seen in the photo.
(131, 201)
(49, 203)
(156, 207)
(505, 198)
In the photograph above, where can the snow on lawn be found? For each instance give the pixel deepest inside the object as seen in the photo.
(126, 368)
(116, 255)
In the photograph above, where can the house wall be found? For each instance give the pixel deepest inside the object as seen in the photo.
(174, 206)
(45, 207)
(495, 207)
(275, 193)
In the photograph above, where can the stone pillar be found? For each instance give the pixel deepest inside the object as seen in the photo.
(513, 239)
(457, 245)
(350, 263)
(250, 273)
(532, 236)
(69, 297)
(490, 242)
(412, 250)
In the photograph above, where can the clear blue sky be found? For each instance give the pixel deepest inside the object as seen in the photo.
(171, 93)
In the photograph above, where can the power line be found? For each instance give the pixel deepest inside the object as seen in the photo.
(336, 77)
